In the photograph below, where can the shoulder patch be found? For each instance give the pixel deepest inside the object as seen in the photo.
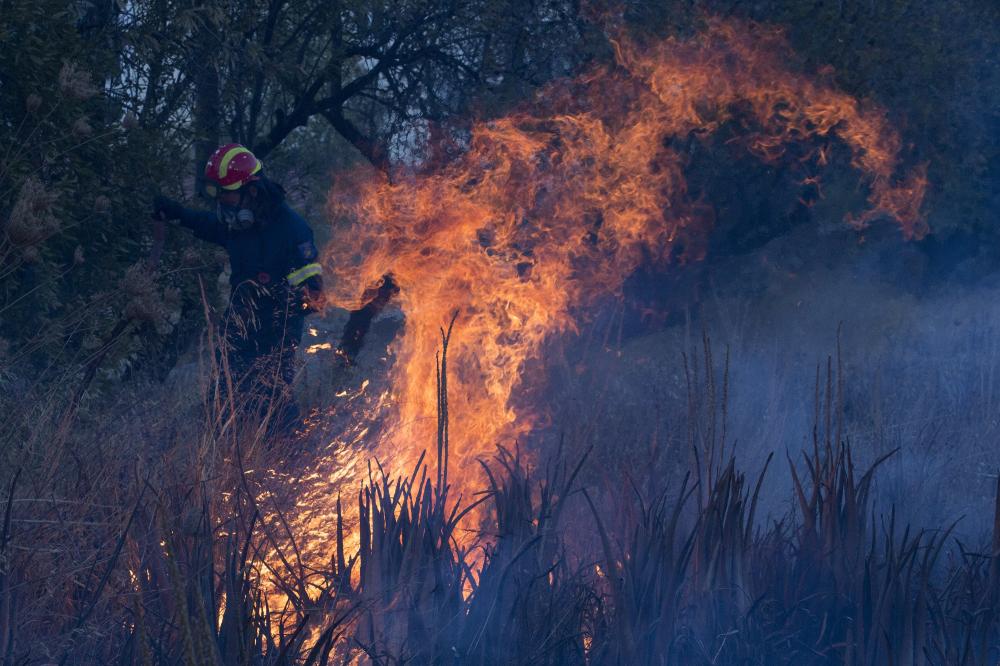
(307, 250)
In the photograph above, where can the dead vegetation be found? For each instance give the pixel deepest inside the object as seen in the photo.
(157, 558)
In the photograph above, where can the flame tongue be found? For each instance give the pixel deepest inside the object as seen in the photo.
(554, 206)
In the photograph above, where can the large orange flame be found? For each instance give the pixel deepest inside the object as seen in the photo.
(552, 207)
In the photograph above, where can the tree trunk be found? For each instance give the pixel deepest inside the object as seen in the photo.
(207, 102)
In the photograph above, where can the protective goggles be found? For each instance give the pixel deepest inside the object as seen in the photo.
(213, 190)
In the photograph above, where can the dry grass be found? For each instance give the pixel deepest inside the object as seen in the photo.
(139, 541)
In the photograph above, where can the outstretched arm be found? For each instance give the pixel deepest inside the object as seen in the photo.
(205, 224)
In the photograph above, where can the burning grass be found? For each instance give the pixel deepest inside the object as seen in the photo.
(179, 567)
(534, 217)
(132, 539)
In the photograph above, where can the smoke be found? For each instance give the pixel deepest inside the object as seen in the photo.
(918, 356)
(696, 191)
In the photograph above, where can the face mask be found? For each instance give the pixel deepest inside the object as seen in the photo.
(234, 217)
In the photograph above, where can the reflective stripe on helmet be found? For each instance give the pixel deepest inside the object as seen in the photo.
(232, 166)
(298, 276)
(227, 158)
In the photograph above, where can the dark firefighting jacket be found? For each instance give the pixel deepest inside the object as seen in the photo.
(275, 249)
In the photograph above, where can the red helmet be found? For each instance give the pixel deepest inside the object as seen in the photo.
(231, 167)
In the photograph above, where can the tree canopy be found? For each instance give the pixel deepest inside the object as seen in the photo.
(103, 103)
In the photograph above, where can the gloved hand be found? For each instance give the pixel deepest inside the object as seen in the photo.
(312, 296)
(166, 209)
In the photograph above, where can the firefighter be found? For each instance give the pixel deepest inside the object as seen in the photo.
(276, 279)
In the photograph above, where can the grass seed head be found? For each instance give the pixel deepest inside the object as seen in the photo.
(32, 103)
(190, 257)
(31, 255)
(81, 128)
(32, 220)
(143, 300)
(75, 83)
(147, 303)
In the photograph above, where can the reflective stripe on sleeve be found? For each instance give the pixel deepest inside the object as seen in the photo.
(298, 276)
